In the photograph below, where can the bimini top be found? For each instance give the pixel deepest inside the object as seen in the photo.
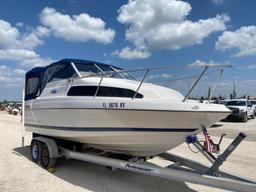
(63, 61)
(42, 75)
(78, 61)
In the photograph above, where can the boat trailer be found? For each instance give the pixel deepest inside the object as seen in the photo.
(182, 169)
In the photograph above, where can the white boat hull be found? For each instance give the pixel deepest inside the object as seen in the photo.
(134, 132)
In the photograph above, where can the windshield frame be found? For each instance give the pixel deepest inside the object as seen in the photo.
(109, 71)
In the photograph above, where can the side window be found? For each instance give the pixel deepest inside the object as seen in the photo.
(65, 73)
(102, 92)
(32, 86)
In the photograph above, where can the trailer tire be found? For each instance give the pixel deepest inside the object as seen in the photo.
(36, 148)
(47, 162)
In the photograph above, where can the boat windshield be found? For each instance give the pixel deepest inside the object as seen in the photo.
(109, 70)
(96, 69)
(123, 74)
(236, 103)
(87, 70)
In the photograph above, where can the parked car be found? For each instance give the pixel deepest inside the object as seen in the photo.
(241, 109)
(15, 111)
(253, 102)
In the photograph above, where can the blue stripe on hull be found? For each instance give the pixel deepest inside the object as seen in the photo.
(109, 129)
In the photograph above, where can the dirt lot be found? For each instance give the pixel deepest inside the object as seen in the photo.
(18, 173)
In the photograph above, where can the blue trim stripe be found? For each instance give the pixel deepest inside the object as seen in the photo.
(111, 129)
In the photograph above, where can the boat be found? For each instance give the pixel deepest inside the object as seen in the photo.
(104, 107)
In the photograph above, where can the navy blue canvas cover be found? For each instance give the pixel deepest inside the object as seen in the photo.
(35, 72)
(46, 73)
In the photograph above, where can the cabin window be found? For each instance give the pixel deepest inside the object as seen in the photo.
(102, 92)
(64, 73)
(32, 87)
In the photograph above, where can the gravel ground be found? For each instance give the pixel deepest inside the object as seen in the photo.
(18, 173)
(232, 129)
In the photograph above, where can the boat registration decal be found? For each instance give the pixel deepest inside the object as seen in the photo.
(113, 105)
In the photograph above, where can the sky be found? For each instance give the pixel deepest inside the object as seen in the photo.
(131, 34)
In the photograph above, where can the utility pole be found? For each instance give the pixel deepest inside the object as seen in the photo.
(209, 93)
(234, 90)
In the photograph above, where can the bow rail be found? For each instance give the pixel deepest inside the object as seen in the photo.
(148, 70)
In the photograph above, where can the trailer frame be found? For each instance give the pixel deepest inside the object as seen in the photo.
(183, 169)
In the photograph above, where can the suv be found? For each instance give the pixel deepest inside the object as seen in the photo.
(241, 109)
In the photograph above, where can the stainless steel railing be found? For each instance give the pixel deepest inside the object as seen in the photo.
(148, 70)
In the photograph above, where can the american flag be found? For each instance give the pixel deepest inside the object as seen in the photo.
(208, 143)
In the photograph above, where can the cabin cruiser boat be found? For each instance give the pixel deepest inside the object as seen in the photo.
(104, 107)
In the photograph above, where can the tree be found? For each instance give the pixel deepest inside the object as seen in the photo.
(221, 97)
(202, 98)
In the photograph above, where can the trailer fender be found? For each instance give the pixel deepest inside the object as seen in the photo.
(51, 144)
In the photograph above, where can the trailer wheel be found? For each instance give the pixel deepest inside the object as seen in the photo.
(47, 162)
(36, 147)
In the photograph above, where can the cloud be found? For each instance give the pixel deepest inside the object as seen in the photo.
(11, 76)
(218, 2)
(157, 76)
(18, 47)
(76, 28)
(8, 34)
(243, 40)
(11, 37)
(33, 39)
(25, 57)
(200, 63)
(6, 71)
(128, 53)
(163, 24)
(19, 24)
(251, 66)
(17, 54)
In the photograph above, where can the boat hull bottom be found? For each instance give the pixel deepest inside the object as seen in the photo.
(144, 144)
(129, 143)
